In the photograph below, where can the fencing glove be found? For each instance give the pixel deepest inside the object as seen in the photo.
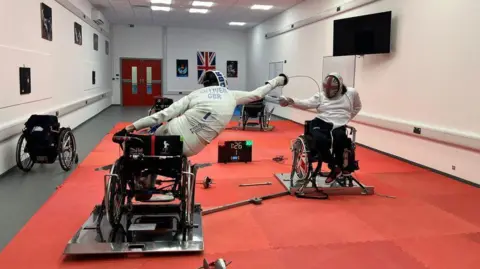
(280, 80)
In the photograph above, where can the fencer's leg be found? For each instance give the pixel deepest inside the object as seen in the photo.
(192, 144)
(340, 141)
(162, 130)
(321, 139)
(336, 165)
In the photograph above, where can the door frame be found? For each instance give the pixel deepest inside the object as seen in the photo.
(137, 58)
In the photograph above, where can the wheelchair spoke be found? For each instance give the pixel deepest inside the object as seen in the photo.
(302, 165)
(23, 157)
(67, 150)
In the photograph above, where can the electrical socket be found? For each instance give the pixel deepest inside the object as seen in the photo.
(454, 167)
(417, 130)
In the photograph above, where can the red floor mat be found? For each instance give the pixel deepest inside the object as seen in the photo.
(366, 255)
(431, 224)
(444, 252)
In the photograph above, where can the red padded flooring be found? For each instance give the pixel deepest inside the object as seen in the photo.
(433, 222)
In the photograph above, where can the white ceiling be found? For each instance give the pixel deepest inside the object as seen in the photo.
(224, 11)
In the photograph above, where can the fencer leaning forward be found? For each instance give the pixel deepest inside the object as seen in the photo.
(336, 105)
(203, 114)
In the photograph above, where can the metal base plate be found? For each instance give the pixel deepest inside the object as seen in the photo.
(144, 237)
(330, 189)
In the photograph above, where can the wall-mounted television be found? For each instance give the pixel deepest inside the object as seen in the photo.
(369, 34)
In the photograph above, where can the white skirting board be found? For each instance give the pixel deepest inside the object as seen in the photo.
(339, 9)
(72, 8)
(14, 128)
(451, 138)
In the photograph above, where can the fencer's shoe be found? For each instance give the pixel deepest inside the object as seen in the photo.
(333, 175)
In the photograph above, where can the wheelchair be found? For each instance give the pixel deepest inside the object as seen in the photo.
(42, 141)
(160, 104)
(304, 156)
(134, 176)
(257, 109)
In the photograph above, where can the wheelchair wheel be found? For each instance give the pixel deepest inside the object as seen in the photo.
(23, 158)
(188, 196)
(302, 166)
(244, 118)
(151, 110)
(265, 120)
(67, 149)
(115, 195)
(190, 192)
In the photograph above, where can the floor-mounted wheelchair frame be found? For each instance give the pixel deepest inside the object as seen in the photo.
(255, 110)
(306, 182)
(118, 225)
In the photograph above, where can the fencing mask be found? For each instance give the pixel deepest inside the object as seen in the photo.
(332, 85)
(214, 78)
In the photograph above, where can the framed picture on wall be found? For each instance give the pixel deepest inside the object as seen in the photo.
(46, 22)
(77, 32)
(232, 69)
(95, 42)
(182, 68)
(107, 48)
(25, 85)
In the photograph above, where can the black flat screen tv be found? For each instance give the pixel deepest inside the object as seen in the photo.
(369, 34)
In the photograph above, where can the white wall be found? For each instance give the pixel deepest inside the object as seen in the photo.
(60, 69)
(136, 42)
(418, 84)
(181, 43)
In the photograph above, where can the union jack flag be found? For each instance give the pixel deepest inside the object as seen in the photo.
(205, 61)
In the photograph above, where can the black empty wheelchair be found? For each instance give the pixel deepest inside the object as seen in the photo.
(43, 140)
(160, 104)
(151, 169)
(259, 110)
(304, 155)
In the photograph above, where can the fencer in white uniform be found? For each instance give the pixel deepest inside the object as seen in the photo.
(336, 105)
(203, 114)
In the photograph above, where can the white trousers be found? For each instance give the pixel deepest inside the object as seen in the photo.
(192, 145)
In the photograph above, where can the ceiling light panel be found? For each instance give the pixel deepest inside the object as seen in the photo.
(165, 2)
(261, 7)
(157, 8)
(198, 10)
(202, 4)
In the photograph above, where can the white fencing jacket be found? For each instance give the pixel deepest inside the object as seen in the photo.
(337, 111)
(204, 112)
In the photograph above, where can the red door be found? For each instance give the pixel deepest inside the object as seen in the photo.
(153, 81)
(131, 82)
(141, 81)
